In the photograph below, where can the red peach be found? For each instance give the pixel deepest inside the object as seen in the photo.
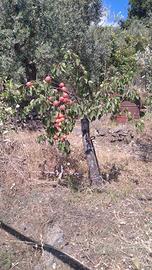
(66, 100)
(55, 137)
(65, 95)
(62, 107)
(29, 84)
(63, 138)
(60, 115)
(61, 85)
(48, 79)
(61, 99)
(56, 103)
(57, 120)
(57, 127)
(64, 89)
(58, 124)
(62, 119)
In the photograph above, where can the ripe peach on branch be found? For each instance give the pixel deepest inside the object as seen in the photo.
(62, 107)
(61, 85)
(56, 103)
(61, 99)
(64, 89)
(65, 95)
(29, 84)
(48, 79)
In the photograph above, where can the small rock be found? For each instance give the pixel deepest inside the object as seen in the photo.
(53, 236)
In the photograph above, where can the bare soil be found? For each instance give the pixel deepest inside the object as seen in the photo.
(47, 197)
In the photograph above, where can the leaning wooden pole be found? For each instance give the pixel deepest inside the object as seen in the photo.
(94, 171)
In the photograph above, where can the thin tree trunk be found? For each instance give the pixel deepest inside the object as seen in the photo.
(30, 69)
(94, 171)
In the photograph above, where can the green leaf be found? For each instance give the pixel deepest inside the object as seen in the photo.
(41, 138)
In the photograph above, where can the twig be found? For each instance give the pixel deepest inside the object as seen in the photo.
(15, 264)
(60, 175)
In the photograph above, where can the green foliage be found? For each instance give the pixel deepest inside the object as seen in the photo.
(129, 46)
(140, 8)
(145, 65)
(126, 43)
(99, 65)
(98, 52)
(44, 99)
(120, 74)
(5, 261)
(33, 32)
(6, 112)
(24, 100)
(140, 126)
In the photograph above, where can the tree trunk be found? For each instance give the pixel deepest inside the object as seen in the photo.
(30, 69)
(94, 171)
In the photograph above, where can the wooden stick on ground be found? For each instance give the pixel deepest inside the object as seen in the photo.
(64, 257)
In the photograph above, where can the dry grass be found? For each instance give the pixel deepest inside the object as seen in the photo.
(110, 229)
(25, 157)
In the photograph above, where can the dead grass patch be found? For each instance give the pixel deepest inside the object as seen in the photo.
(110, 229)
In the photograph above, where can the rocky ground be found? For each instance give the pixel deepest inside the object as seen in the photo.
(47, 197)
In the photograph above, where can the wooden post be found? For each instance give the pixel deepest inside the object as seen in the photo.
(94, 171)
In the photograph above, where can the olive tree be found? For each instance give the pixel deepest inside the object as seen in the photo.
(32, 33)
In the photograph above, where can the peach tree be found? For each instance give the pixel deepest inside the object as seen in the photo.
(58, 100)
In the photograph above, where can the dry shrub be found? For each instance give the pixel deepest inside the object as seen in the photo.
(22, 157)
(26, 162)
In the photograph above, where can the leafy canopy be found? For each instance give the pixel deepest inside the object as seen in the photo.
(32, 33)
(140, 8)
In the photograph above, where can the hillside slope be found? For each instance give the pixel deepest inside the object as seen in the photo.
(110, 228)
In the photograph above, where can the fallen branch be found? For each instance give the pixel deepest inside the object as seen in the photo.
(62, 256)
